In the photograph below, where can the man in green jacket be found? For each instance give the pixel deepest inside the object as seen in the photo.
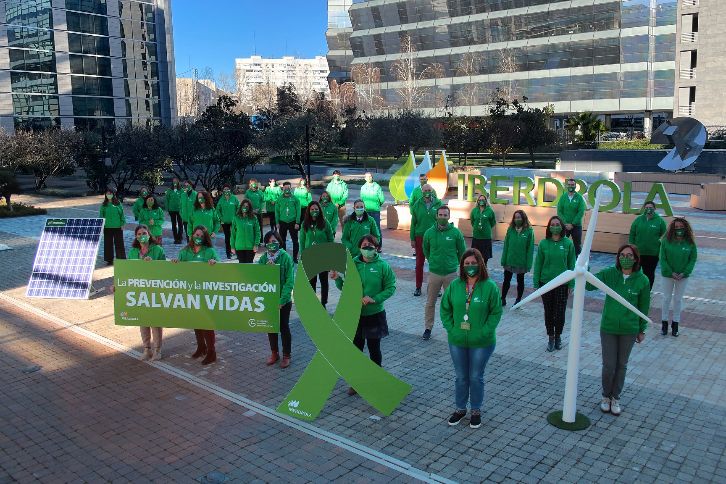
(272, 195)
(423, 216)
(418, 191)
(372, 195)
(256, 198)
(187, 205)
(172, 203)
(338, 191)
(571, 209)
(140, 203)
(288, 214)
(645, 233)
(443, 246)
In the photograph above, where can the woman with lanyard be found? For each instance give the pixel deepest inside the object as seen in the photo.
(555, 255)
(112, 212)
(152, 216)
(227, 207)
(200, 249)
(245, 233)
(482, 220)
(620, 328)
(276, 255)
(517, 253)
(678, 254)
(356, 226)
(146, 248)
(379, 284)
(330, 211)
(316, 230)
(204, 214)
(470, 312)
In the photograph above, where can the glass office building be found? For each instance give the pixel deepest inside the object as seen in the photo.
(88, 64)
(614, 57)
(338, 37)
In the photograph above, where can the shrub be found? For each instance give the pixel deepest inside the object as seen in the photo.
(20, 210)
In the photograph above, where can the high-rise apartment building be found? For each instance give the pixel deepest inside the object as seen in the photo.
(194, 96)
(338, 37)
(88, 64)
(306, 75)
(613, 57)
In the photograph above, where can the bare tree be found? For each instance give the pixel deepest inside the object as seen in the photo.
(508, 65)
(410, 92)
(470, 93)
(367, 79)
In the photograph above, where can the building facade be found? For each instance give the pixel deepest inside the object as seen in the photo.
(194, 96)
(338, 34)
(86, 64)
(306, 75)
(612, 57)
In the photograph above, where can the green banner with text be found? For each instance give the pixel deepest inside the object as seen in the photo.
(228, 297)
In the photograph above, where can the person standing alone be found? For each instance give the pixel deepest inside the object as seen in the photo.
(571, 210)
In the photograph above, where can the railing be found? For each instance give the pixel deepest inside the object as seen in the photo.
(687, 110)
(689, 37)
(688, 73)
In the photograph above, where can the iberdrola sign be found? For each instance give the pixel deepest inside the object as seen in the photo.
(406, 179)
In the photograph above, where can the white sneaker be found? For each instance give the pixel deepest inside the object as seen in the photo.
(605, 405)
(146, 355)
(615, 407)
(157, 354)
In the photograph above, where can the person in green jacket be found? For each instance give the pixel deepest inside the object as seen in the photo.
(257, 198)
(272, 194)
(423, 217)
(620, 328)
(379, 284)
(358, 224)
(517, 253)
(245, 233)
(204, 214)
(113, 228)
(417, 193)
(152, 216)
(470, 313)
(678, 254)
(288, 214)
(188, 199)
(645, 233)
(571, 210)
(173, 203)
(302, 194)
(200, 249)
(330, 211)
(139, 203)
(316, 230)
(145, 248)
(443, 246)
(372, 195)
(227, 207)
(555, 255)
(274, 254)
(482, 221)
(338, 191)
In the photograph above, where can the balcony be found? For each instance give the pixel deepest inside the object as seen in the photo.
(688, 73)
(690, 3)
(689, 37)
(688, 111)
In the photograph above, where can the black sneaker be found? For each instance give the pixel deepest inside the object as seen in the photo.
(417, 292)
(427, 335)
(551, 344)
(558, 343)
(475, 420)
(456, 417)
(664, 328)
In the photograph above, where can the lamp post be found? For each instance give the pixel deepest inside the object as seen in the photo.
(307, 149)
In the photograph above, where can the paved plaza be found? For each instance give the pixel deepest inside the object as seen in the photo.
(76, 404)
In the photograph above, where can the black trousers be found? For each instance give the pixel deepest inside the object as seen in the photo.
(227, 229)
(508, 280)
(177, 226)
(284, 332)
(576, 235)
(205, 339)
(245, 256)
(374, 345)
(259, 221)
(484, 246)
(186, 234)
(555, 305)
(273, 222)
(113, 239)
(323, 286)
(648, 263)
(286, 227)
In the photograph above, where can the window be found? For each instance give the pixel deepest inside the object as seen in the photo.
(92, 106)
(33, 82)
(31, 60)
(89, 24)
(88, 44)
(91, 86)
(30, 38)
(35, 105)
(90, 6)
(92, 66)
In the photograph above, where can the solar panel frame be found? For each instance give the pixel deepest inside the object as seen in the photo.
(66, 258)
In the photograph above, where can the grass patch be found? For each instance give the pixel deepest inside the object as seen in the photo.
(635, 144)
(20, 210)
(63, 193)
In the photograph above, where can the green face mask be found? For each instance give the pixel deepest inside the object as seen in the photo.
(144, 239)
(369, 180)
(198, 240)
(570, 189)
(482, 203)
(272, 247)
(471, 271)
(227, 193)
(428, 195)
(650, 211)
(245, 209)
(680, 232)
(518, 222)
(314, 214)
(368, 252)
(556, 229)
(187, 188)
(626, 262)
(109, 196)
(442, 220)
(359, 211)
(336, 177)
(424, 182)
(253, 186)
(201, 201)
(325, 200)
(286, 191)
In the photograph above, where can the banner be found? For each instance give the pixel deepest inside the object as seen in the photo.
(227, 297)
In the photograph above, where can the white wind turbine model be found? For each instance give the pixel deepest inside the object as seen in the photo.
(570, 419)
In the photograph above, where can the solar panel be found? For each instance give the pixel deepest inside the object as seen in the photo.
(65, 259)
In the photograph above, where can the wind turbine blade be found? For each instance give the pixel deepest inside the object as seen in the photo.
(610, 292)
(584, 257)
(563, 278)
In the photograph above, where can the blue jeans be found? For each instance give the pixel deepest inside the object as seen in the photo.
(469, 365)
(377, 217)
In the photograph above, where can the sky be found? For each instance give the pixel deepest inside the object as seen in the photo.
(212, 33)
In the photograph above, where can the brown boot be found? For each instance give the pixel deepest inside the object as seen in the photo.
(351, 391)
(274, 358)
(210, 358)
(201, 345)
(285, 361)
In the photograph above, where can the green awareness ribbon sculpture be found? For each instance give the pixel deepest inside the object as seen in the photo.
(336, 356)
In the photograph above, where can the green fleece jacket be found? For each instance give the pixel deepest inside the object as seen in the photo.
(187, 204)
(379, 283)
(245, 233)
(423, 218)
(443, 248)
(303, 196)
(227, 209)
(287, 274)
(147, 215)
(138, 205)
(204, 255)
(646, 234)
(173, 199)
(354, 230)
(482, 222)
(372, 196)
(338, 191)
(518, 249)
(616, 318)
(485, 311)
(330, 211)
(272, 194)
(313, 235)
(416, 195)
(156, 252)
(677, 256)
(553, 258)
(571, 211)
(207, 217)
(113, 215)
(256, 198)
(287, 209)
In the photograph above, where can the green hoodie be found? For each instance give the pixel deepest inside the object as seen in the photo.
(287, 209)
(443, 249)
(482, 222)
(173, 199)
(646, 234)
(256, 197)
(677, 256)
(353, 231)
(207, 217)
(272, 194)
(314, 235)
(187, 204)
(416, 195)
(146, 215)
(205, 254)
(372, 196)
(227, 209)
(330, 211)
(113, 215)
(287, 274)
(156, 252)
(616, 318)
(518, 249)
(485, 311)
(303, 196)
(138, 205)
(571, 211)
(423, 218)
(338, 192)
(379, 283)
(553, 258)
(245, 233)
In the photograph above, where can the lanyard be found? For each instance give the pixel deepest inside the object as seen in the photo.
(469, 295)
